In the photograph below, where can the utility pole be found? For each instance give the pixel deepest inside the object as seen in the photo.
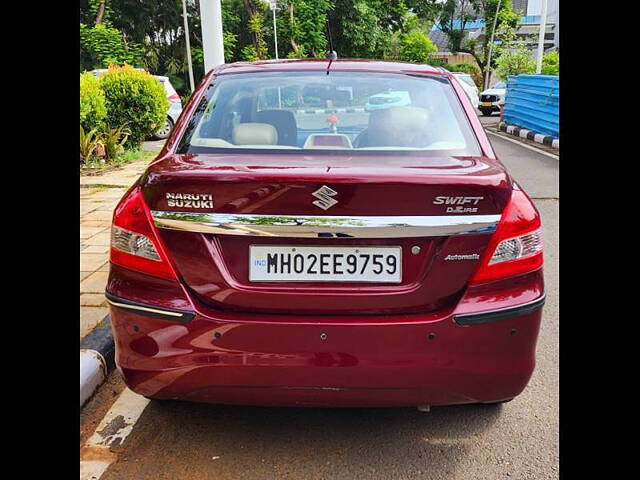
(274, 4)
(543, 28)
(493, 32)
(212, 40)
(188, 43)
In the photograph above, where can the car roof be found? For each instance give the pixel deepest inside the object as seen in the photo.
(314, 64)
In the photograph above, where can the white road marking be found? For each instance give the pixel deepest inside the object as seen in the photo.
(95, 455)
(524, 145)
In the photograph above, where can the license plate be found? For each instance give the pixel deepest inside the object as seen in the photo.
(486, 104)
(270, 263)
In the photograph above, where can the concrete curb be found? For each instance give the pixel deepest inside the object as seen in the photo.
(530, 135)
(97, 354)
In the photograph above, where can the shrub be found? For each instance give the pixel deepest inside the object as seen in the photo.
(113, 140)
(89, 141)
(92, 102)
(551, 63)
(437, 62)
(416, 47)
(135, 99)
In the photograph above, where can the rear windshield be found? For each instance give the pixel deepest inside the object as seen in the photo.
(335, 113)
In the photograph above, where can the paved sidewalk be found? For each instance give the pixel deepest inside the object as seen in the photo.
(98, 198)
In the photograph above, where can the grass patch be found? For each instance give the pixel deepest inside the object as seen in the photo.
(97, 189)
(100, 166)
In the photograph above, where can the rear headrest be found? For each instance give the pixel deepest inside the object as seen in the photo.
(285, 124)
(398, 126)
(255, 134)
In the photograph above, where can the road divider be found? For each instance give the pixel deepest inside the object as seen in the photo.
(97, 351)
(529, 135)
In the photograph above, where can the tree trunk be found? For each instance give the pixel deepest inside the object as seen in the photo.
(294, 45)
(100, 14)
(252, 10)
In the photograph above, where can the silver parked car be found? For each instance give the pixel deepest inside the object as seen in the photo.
(175, 104)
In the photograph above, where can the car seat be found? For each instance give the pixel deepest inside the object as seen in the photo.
(284, 122)
(396, 127)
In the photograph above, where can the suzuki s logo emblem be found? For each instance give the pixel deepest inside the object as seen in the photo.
(324, 194)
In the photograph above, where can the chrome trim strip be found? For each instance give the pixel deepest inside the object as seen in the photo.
(145, 309)
(304, 226)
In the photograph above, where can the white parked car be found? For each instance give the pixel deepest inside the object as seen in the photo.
(469, 86)
(492, 98)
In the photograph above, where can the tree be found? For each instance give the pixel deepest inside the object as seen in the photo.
(456, 14)
(416, 47)
(512, 56)
(258, 48)
(364, 28)
(153, 30)
(551, 63)
(302, 27)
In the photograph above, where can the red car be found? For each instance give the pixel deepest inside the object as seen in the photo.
(290, 247)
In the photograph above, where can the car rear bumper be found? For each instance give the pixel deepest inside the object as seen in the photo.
(494, 107)
(233, 358)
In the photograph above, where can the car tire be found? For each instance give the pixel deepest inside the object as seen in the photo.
(165, 130)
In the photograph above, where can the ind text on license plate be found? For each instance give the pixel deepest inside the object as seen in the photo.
(275, 263)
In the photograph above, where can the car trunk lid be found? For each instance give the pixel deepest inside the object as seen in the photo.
(212, 210)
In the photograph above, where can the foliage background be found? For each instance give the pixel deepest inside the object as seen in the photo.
(150, 34)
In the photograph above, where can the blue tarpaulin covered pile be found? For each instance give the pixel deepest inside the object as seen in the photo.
(532, 102)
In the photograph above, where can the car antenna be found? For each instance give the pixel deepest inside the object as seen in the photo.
(331, 54)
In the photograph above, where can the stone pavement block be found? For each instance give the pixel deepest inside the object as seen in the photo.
(84, 209)
(92, 300)
(94, 283)
(108, 207)
(90, 317)
(96, 249)
(84, 275)
(90, 262)
(88, 232)
(97, 215)
(110, 194)
(96, 223)
(103, 238)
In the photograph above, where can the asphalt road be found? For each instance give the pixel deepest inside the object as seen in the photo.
(518, 440)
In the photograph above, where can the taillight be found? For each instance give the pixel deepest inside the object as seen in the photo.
(134, 240)
(515, 247)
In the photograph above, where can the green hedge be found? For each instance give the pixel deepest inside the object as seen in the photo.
(134, 99)
(93, 108)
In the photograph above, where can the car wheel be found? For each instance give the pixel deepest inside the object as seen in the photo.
(164, 131)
